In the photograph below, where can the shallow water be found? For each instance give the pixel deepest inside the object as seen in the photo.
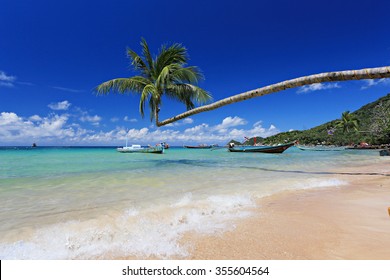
(87, 203)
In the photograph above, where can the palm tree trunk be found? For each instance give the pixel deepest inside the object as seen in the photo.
(156, 116)
(369, 73)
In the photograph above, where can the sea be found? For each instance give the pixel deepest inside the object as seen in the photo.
(95, 203)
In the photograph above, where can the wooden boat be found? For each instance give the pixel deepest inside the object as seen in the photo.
(165, 145)
(159, 149)
(320, 148)
(260, 149)
(203, 146)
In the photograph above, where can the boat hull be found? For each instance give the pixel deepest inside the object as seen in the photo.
(321, 149)
(153, 150)
(261, 149)
(198, 147)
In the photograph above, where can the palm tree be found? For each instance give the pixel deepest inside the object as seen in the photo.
(348, 121)
(369, 73)
(166, 74)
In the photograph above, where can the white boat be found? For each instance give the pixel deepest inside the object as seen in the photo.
(139, 149)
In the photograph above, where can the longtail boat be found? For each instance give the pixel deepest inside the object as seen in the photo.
(260, 149)
(320, 148)
(203, 146)
(159, 149)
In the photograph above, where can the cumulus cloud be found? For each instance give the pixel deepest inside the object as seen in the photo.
(6, 80)
(127, 119)
(187, 121)
(179, 123)
(63, 105)
(230, 122)
(62, 129)
(35, 118)
(203, 133)
(317, 86)
(16, 129)
(94, 120)
(372, 83)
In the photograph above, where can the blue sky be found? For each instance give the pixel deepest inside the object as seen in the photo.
(53, 54)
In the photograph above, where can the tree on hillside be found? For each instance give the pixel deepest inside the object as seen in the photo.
(348, 122)
(380, 126)
(163, 75)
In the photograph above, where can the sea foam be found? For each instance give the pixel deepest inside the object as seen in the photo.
(319, 183)
(152, 232)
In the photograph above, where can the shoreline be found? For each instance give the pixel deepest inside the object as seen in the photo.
(349, 222)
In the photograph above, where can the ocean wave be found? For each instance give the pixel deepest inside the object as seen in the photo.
(151, 232)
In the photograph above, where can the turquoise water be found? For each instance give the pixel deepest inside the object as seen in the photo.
(87, 203)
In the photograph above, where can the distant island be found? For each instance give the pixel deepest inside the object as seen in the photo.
(374, 128)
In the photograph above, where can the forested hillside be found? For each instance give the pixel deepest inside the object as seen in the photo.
(372, 126)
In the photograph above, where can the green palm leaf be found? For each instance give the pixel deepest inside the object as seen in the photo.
(167, 74)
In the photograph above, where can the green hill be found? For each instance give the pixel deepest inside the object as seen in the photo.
(374, 128)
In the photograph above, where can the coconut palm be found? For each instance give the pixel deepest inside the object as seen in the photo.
(369, 73)
(348, 122)
(165, 74)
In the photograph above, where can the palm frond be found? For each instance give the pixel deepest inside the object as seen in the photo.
(174, 54)
(191, 75)
(123, 85)
(147, 55)
(188, 93)
(138, 63)
(148, 92)
(166, 75)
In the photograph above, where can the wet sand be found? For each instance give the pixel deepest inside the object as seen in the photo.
(349, 222)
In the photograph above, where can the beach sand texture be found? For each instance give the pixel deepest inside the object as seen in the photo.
(351, 222)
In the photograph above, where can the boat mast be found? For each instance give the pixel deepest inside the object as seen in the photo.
(127, 133)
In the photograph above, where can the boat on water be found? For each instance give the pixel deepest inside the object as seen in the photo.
(202, 146)
(135, 148)
(260, 149)
(159, 149)
(140, 149)
(165, 145)
(320, 148)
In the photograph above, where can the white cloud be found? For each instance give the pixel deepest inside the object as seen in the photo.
(371, 83)
(317, 86)
(94, 120)
(61, 129)
(68, 89)
(187, 121)
(127, 119)
(63, 105)
(5, 80)
(203, 133)
(115, 119)
(53, 128)
(7, 118)
(35, 118)
(179, 123)
(230, 122)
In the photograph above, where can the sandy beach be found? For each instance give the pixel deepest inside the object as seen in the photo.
(350, 222)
